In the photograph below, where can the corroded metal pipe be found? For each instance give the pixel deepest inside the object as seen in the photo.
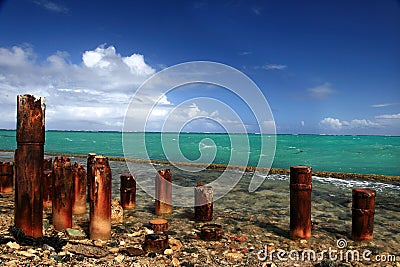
(363, 211)
(128, 191)
(156, 243)
(300, 201)
(211, 232)
(63, 189)
(79, 200)
(47, 182)
(163, 192)
(100, 202)
(6, 177)
(203, 202)
(89, 173)
(159, 225)
(29, 164)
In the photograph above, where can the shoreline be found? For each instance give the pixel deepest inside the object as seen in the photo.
(221, 167)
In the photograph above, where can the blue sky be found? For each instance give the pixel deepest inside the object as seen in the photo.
(325, 67)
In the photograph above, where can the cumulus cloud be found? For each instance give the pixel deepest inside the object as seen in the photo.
(90, 95)
(321, 92)
(94, 93)
(331, 123)
(336, 124)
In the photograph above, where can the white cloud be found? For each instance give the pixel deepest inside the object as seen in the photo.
(336, 124)
(321, 91)
(331, 123)
(94, 93)
(272, 67)
(388, 116)
(90, 95)
(16, 56)
(137, 65)
(383, 105)
(363, 123)
(302, 123)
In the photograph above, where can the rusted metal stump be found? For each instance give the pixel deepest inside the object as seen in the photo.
(363, 211)
(159, 225)
(100, 202)
(63, 189)
(300, 201)
(29, 164)
(211, 232)
(203, 202)
(89, 173)
(128, 191)
(163, 192)
(6, 177)
(156, 243)
(79, 177)
(47, 182)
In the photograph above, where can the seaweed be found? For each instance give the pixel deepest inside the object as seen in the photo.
(54, 241)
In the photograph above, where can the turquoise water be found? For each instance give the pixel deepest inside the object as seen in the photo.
(353, 154)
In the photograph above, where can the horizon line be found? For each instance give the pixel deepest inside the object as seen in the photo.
(194, 132)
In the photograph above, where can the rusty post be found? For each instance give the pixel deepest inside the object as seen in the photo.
(363, 214)
(163, 192)
(159, 225)
(79, 199)
(203, 202)
(211, 232)
(29, 164)
(89, 173)
(6, 177)
(47, 182)
(128, 191)
(156, 243)
(63, 189)
(300, 201)
(100, 202)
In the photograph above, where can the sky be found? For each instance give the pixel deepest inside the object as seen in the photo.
(323, 67)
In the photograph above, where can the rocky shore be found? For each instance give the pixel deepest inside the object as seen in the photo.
(255, 231)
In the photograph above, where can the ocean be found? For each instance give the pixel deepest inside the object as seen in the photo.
(332, 153)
